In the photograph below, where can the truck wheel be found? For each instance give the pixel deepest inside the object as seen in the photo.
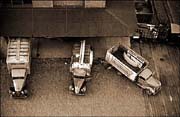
(11, 90)
(147, 91)
(71, 88)
(25, 92)
(83, 89)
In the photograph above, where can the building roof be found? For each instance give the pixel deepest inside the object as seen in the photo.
(117, 19)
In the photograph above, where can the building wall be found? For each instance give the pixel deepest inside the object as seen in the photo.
(70, 3)
(54, 3)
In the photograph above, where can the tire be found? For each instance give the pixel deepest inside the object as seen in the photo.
(83, 89)
(11, 90)
(71, 88)
(148, 92)
(25, 92)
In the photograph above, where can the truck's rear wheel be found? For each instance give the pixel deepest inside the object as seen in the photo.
(148, 91)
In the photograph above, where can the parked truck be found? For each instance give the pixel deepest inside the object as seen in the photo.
(81, 64)
(134, 67)
(18, 64)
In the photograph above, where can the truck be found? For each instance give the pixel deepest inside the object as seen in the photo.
(81, 64)
(134, 67)
(18, 63)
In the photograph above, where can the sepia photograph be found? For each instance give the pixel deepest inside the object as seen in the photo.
(118, 58)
